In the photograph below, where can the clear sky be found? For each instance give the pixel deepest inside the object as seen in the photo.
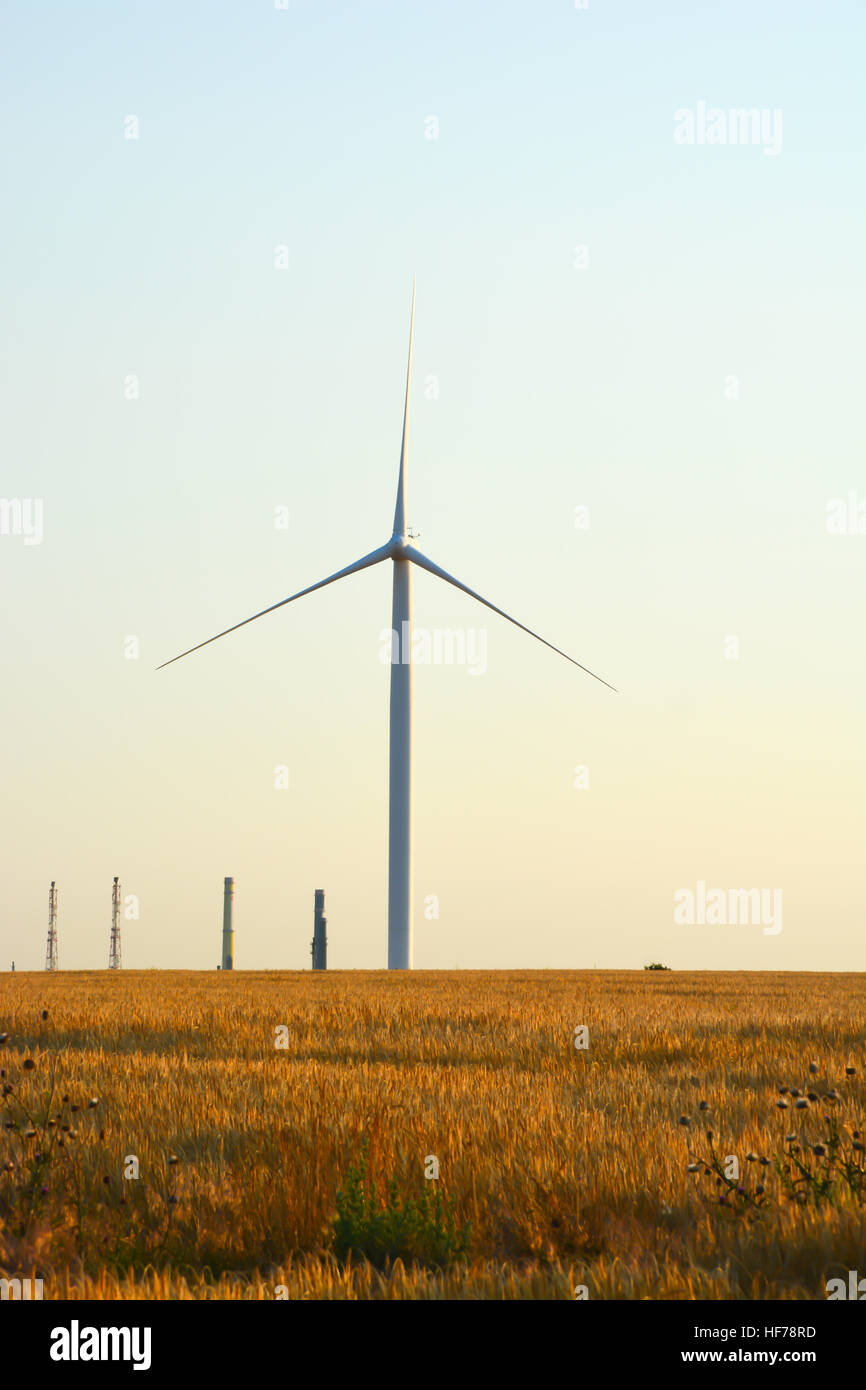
(692, 377)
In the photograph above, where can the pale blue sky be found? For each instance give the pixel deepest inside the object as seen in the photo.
(558, 387)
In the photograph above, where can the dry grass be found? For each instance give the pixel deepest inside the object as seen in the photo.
(570, 1165)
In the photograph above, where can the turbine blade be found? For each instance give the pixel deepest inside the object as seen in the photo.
(417, 558)
(373, 558)
(400, 508)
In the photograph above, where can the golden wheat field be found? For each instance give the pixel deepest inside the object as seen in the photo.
(560, 1167)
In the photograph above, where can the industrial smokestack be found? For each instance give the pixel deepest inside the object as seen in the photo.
(320, 940)
(228, 961)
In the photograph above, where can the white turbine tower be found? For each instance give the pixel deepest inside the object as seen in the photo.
(404, 556)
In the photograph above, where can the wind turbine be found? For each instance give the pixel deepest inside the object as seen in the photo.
(404, 556)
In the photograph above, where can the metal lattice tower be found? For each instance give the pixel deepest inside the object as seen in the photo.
(114, 950)
(51, 960)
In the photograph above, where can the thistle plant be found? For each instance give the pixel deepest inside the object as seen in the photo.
(53, 1163)
(819, 1163)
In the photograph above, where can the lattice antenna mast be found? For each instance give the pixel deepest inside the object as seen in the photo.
(51, 958)
(114, 950)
